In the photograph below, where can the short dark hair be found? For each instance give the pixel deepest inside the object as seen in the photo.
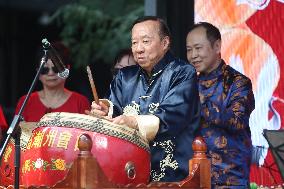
(163, 30)
(212, 32)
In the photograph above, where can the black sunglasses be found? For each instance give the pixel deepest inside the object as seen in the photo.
(45, 70)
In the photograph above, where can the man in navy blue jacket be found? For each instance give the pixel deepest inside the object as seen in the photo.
(159, 97)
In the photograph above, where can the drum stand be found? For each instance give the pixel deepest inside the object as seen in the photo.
(14, 129)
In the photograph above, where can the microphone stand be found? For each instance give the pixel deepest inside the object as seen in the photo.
(14, 129)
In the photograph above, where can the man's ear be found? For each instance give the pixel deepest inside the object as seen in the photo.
(217, 46)
(166, 42)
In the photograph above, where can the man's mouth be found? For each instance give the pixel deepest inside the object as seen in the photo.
(196, 63)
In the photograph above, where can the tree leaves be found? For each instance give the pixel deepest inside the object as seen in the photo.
(95, 30)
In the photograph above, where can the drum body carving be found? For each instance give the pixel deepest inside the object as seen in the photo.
(122, 153)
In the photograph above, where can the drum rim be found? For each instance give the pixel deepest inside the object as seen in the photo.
(98, 125)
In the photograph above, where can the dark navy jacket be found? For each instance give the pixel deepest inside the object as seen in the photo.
(171, 94)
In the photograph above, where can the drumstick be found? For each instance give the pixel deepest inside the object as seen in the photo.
(91, 80)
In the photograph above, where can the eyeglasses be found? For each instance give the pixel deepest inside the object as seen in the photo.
(45, 70)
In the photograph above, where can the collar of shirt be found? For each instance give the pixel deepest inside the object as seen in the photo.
(159, 67)
(215, 73)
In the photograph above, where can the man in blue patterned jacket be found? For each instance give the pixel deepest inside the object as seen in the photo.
(227, 101)
(159, 97)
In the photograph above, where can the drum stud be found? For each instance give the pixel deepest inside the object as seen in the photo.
(130, 170)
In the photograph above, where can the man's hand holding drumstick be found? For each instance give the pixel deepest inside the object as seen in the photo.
(100, 108)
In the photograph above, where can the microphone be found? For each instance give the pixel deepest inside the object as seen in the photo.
(63, 72)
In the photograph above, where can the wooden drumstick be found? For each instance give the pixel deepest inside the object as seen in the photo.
(91, 80)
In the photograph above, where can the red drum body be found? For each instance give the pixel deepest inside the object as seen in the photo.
(122, 153)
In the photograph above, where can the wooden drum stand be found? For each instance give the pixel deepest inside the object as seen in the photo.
(86, 173)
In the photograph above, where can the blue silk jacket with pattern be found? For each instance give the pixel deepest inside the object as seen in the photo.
(227, 101)
(171, 94)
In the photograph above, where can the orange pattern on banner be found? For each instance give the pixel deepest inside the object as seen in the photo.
(223, 13)
(251, 50)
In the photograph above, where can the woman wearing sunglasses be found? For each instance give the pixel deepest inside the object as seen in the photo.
(53, 97)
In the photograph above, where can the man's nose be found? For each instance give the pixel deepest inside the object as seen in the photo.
(140, 47)
(194, 53)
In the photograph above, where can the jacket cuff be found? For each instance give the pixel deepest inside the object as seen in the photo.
(148, 126)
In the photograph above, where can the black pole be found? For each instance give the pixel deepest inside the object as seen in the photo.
(17, 162)
(14, 129)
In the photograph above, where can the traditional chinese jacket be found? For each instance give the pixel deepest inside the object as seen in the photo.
(171, 94)
(227, 101)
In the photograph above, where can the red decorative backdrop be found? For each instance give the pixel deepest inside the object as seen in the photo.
(253, 43)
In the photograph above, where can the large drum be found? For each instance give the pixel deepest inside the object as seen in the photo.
(52, 147)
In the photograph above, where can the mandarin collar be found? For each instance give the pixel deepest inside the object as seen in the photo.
(215, 73)
(161, 65)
